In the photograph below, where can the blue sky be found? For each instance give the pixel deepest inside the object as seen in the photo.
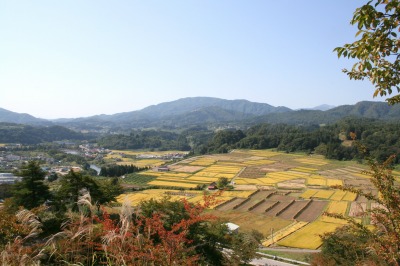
(81, 58)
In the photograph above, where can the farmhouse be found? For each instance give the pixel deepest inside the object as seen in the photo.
(212, 186)
(163, 169)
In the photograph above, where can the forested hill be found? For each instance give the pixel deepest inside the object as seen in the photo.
(366, 109)
(190, 112)
(26, 134)
(214, 113)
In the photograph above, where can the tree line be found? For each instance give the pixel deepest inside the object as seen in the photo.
(120, 170)
(332, 141)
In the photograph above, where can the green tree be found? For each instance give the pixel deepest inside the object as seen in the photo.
(31, 191)
(244, 247)
(345, 246)
(222, 182)
(71, 185)
(206, 237)
(377, 47)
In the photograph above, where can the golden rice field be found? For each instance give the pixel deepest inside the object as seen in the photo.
(323, 194)
(338, 195)
(308, 193)
(134, 199)
(138, 152)
(274, 168)
(142, 162)
(316, 181)
(172, 184)
(309, 235)
(350, 196)
(337, 207)
(283, 233)
(251, 181)
(304, 169)
(334, 182)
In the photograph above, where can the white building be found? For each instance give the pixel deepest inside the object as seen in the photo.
(8, 178)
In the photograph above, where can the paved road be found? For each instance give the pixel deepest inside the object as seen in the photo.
(269, 262)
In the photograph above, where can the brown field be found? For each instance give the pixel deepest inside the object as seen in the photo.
(292, 184)
(294, 209)
(229, 206)
(357, 209)
(249, 221)
(313, 210)
(262, 207)
(278, 208)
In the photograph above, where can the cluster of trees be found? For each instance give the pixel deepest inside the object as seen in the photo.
(33, 191)
(119, 170)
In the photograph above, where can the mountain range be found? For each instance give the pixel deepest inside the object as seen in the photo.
(212, 111)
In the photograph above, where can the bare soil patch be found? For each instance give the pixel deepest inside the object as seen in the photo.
(313, 211)
(262, 207)
(357, 209)
(281, 197)
(292, 184)
(249, 221)
(229, 206)
(249, 187)
(290, 212)
(277, 208)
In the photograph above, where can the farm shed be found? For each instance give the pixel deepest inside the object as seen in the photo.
(233, 228)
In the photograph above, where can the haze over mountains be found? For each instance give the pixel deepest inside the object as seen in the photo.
(206, 110)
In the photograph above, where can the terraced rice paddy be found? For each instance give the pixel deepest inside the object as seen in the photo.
(273, 238)
(272, 189)
(308, 236)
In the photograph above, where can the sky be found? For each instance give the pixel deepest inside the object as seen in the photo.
(64, 59)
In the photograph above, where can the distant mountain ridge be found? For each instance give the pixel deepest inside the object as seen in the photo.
(213, 111)
(21, 118)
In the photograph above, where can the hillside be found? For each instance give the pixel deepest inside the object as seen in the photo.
(26, 134)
